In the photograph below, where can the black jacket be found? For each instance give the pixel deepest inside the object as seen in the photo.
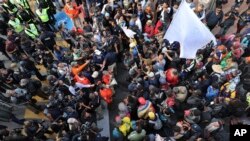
(213, 19)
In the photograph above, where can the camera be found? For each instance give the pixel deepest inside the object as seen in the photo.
(86, 127)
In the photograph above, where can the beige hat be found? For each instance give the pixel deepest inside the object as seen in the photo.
(98, 52)
(181, 93)
(24, 82)
(133, 43)
(71, 121)
(13, 65)
(149, 22)
(95, 74)
(151, 74)
(217, 68)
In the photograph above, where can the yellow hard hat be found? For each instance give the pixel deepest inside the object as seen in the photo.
(151, 115)
(126, 120)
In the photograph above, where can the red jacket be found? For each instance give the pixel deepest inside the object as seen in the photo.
(106, 94)
(149, 29)
(156, 30)
(72, 12)
(171, 78)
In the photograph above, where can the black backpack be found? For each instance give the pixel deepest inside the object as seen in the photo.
(220, 110)
(245, 77)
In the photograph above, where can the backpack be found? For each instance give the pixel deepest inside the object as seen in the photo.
(241, 92)
(245, 77)
(220, 110)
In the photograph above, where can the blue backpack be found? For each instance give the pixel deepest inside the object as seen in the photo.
(245, 42)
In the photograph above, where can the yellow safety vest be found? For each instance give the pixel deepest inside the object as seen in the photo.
(23, 3)
(16, 24)
(31, 31)
(11, 9)
(43, 15)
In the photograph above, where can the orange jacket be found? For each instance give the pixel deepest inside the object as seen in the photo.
(83, 80)
(106, 79)
(77, 69)
(106, 94)
(72, 12)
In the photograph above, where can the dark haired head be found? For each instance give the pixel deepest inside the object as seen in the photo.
(219, 7)
(176, 129)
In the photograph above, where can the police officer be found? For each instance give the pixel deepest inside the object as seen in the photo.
(16, 24)
(10, 7)
(45, 18)
(31, 30)
(25, 16)
(25, 5)
(48, 39)
(4, 18)
(47, 4)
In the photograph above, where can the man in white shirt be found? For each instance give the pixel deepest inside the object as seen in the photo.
(109, 3)
(74, 88)
(165, 10)
(199, 10)
(137, 22)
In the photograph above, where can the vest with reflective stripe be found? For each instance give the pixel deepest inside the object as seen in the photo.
(10, 7)
(32, 31)
(43, 15)
(16, 24)
(23, 3)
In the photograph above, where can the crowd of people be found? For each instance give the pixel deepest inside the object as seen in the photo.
(169, 98)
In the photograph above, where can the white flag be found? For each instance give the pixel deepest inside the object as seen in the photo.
(128, 32)
(143, 3)
(187, 29)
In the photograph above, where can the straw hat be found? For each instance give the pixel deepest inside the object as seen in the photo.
(151, 74)
(217, 68)
(149, 22)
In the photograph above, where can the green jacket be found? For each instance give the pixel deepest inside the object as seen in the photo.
(135, 136)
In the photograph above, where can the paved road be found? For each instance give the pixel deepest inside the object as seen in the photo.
(120, 94)
(226, 8)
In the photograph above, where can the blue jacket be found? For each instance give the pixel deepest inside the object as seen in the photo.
(211, 93)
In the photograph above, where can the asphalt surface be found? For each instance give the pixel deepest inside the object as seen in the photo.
(121, 92)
